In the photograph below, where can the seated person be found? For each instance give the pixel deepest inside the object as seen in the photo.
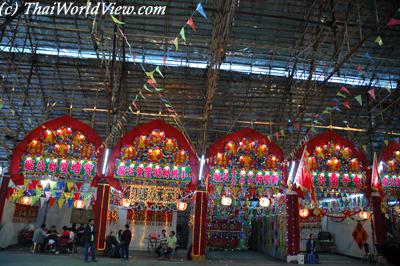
(162, 247)
(38, 238)
(311, 247)
(172, 244)
(112, 246)
(51, 239)
(65, 240)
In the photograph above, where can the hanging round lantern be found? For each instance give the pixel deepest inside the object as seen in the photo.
(155, 155)
(226, 201)
(128, 152)
(319, 152)
(231, 148)
(181, 206)
(61, 149)
(157, 136)
(64, 133)
(181, 157)
(264, 202)
(141, 143)
(303, 213)
(247, 145)
(312, 163)
(49, 136)
(364, 215)
(346, 152)
(125, 202)
(354, 165)
(25, 200)
(333, 164)
(79, 204)
(397, 209)
(170, 145)
(246, 161)
(222, 159)
(271, 162)
(78, 139)
(392, 166)
(35, 147)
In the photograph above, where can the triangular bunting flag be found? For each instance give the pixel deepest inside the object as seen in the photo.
(388, 89)
(42, 201)
(326, 111)
(70, 185)
(359, 99)
(386, 142)
(48, 194)
(347, 104)
(190, 22)
(116, 21)
(182, 34)
(341, 94)
(61, 202)
(52, 201)
(368, 56)
(359, 68)
(150, 75)
(379, 41)
(70, 202)
(282, 131)
(157, 69)
(393, 22)
(176, 43)
(147, 88)
(152, 83)
(201, 10)
(277, 135)
(371, 92)
(78, 185)
(344, 89)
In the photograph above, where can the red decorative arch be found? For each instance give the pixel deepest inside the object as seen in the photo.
(330, 135)
(216, 153)
(219, 145)
(64, 121)
(146, 129)
(387, 153)
(390, 175)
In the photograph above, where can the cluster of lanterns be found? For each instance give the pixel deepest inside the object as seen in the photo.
(263, 201)
(180, 205)
(26, 200)
(304, 213)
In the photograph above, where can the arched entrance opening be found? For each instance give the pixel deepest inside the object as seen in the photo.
(154, 171)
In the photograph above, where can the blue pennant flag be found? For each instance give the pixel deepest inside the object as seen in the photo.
(58, 195)
(201, 10)
(70, 202)
(368, 56)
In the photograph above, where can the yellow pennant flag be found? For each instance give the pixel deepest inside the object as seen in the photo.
(70, 185)
(61, 202)
(176, 43)
(150, 74)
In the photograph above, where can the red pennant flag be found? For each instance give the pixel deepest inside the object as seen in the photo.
(297, 126)
(375, 179)
(78, 185)
(347, 104)
(359, 68)
(344, 89)
(191, 23)
(303, 178)
(77, 196)
(393, 22)
(371, 92)
(152, 83)
(277, 135)
(52, 201)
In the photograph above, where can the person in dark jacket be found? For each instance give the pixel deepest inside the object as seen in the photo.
(125, 241)
(89, 238)
(311, 247)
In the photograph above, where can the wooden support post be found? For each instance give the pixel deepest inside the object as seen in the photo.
(100, 214)
(292, 228)
(199, 244)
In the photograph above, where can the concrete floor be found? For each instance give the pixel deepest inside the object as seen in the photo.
(23, 257)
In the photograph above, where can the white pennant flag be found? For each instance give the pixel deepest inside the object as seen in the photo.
(42, 201)
(48, 194)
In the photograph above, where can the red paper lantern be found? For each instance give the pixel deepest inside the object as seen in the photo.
(312, 163)
(246, 145)
(319, 152)
(333, 164)
(35, 147)
(49, 137)
(392, 165)
(64, 133)
(346, 152)
(78, 139)
(128, 152)
(61, 149)
(157, 136)
(231, 148)
(140, 143)
(79, 204)
(181, 157)
(25, 200)
(170, 145)
(222, 159)
(272, 162)
(303, 213)
(155, 155)
(354, 165)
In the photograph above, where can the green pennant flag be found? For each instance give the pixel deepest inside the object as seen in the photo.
(219, 189)
(388, 89)
(146, 88)
(282, 131)
(157, 69)
(326, 111)
(176, 43)
(364, 147)
(386, 142)
(341, 94)
(359, 99)
(313, 130)
(30, 121)
(150, 75)
(141, 95)
(379, 40)
(116, 21)
(182, 33)
(13, 112)
(159, 89)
